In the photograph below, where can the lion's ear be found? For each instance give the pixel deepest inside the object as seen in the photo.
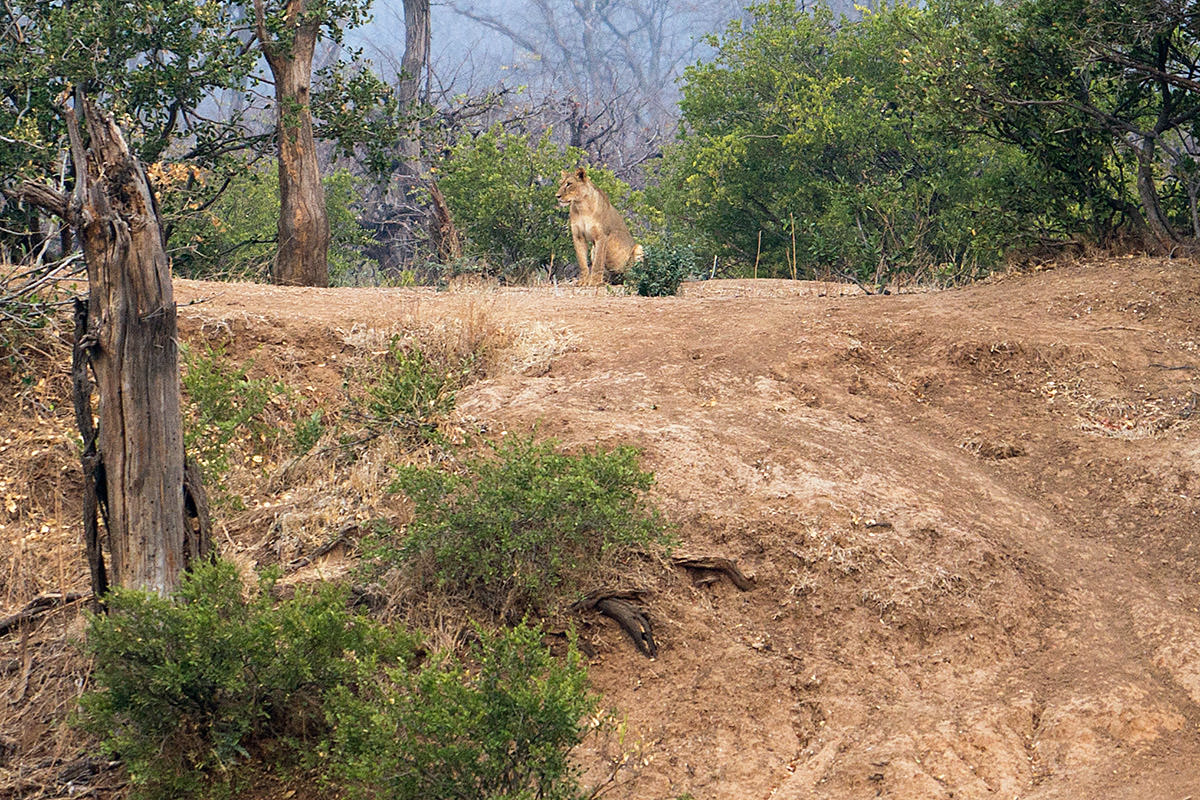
(582, 173)
(562, 173)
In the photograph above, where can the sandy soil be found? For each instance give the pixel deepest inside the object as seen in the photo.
(970, 517)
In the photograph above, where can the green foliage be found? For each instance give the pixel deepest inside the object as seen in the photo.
(187, 690)
(154, 65)
(522, 528)
(662, 269)
(235, 238)
(411, 393)
(500, 188)
(182, 51)
(815, 132)
(224, 404)
(1076, 86)
(349, 264)
(308, 432)
(499, 726)
(358, 111)
(184, 686)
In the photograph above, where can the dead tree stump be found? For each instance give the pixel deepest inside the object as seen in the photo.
(133, 459)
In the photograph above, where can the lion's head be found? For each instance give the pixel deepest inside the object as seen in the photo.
(573, 186)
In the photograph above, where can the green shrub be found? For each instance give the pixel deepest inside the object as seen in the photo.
(411, 392)
(184, 686)
(223, 405)
(204, 693)
(501, 727)
(824, 147)
(308, 432)
(500, 187)
(520, 529)
(662, 269)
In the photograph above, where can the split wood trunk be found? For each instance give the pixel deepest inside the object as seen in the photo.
(131, 342)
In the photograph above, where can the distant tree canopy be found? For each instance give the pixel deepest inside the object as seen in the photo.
(917, 138)
(1103, 94)
(936, 138)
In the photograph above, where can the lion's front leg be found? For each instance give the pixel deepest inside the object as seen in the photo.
(600, 259)
(581, 254)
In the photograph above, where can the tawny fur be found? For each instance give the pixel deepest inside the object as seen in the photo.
(596, 224)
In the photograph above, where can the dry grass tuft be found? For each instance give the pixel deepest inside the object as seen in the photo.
(45, 671)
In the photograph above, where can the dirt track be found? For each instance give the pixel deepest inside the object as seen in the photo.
(970, 516)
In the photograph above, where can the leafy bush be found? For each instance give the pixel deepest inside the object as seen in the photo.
(188, 690)
(411, 392)
(516, 532)
(816, 139)
(662, 269)
(308, 432)
(224, 404)
(501, 727)
(184, 686)
(500, 187)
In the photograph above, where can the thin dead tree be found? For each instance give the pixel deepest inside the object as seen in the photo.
(151, 503)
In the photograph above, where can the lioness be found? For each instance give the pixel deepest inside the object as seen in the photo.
(595, 222)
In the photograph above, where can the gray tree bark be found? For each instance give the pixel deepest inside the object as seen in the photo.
(131, 341)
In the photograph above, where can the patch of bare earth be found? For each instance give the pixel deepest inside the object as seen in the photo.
(969, 515)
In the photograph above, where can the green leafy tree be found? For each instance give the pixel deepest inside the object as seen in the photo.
(287, 32)
(814, 133)
(151, 64)
(235, 236)
(1103, 94)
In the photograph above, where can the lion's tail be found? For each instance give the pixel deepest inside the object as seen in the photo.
(638, 254)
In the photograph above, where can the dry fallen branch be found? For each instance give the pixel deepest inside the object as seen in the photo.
(38, 606)
(632, 619)
(716, 564)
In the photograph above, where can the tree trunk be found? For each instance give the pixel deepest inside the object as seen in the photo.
(1160, 226)
(443, 234)
(131, 341)
(412, 67)
(303, 254)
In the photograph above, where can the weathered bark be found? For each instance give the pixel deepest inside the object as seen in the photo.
(412, 67)
(303, 257)
(130, 341)
(443, 233)
(93, 471)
